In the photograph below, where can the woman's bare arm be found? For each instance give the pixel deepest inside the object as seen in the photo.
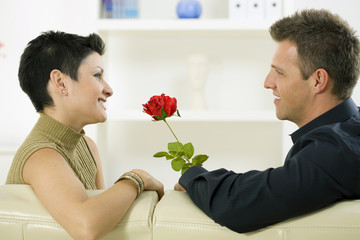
(65, 197)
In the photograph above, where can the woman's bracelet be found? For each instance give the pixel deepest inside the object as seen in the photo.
(135, 178)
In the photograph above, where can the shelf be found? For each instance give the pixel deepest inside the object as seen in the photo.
(149, 55)
(8, 150)
(182, 25)
(202, 116)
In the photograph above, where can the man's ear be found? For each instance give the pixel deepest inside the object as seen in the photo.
(57, 79)
(321, 80)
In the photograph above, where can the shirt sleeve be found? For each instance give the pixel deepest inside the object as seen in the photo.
(252, 200)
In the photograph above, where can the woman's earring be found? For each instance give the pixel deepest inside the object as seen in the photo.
(63, 91)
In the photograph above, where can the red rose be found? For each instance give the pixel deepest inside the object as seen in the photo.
(161, 107)
(156, 103)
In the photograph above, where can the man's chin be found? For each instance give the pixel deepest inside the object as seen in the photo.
(280, 116)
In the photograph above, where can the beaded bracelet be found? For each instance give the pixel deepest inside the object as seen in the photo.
(135, 178)
(139, 179)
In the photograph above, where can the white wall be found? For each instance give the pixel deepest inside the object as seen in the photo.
(23, 20)
(347, 9)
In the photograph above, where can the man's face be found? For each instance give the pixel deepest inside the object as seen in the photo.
(292, 93)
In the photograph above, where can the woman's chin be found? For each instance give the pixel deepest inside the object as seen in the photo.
(102, 115)
(99, 119)
(102, 119)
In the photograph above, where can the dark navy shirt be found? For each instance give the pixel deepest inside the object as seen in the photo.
(321, 168)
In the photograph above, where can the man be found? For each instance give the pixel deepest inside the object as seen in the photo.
(313, 73)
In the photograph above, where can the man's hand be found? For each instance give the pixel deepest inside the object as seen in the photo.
(178, 187)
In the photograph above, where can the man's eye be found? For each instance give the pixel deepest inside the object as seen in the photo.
(278, 72)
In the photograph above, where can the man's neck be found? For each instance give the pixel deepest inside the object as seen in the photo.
(319, 107)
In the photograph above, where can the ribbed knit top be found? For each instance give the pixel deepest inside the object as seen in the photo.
(49, 133)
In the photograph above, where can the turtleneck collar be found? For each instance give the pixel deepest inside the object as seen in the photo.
(59, 133)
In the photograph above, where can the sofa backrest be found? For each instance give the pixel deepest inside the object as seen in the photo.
(175, 217)
(23, 217)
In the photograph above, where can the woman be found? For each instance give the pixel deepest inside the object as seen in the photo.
(63, 75)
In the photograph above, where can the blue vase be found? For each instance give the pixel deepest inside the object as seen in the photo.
(188, 9)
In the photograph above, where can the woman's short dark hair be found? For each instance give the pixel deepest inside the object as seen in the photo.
(326, 41)
(53, 50)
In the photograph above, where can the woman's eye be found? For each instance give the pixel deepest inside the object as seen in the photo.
(97, 75)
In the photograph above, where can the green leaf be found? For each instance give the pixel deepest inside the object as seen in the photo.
(198, 160)
(170, 157)
(180, 154)
(185, 167)
(184, 170)
(189, 150)
(178, 113)
(163, 113)
(157, 117)
(161, 154)
(177, 164)
(175, 147)
(173, 153)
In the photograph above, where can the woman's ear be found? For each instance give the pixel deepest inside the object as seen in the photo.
(321, 80)
(57, 79)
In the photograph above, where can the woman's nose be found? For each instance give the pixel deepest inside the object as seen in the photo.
(107, 90)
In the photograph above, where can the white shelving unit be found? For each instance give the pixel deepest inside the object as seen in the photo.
(147, 57)
(222, 25)
(204, 116)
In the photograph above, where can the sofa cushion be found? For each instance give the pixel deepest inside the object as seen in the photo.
(176, 216)
(22, 216)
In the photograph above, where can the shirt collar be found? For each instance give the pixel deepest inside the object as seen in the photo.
(340, 113)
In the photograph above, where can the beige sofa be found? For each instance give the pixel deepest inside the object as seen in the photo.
(175, 217)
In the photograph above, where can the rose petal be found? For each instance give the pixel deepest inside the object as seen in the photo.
(156, 103)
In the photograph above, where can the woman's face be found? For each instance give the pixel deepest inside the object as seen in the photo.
(87, 95)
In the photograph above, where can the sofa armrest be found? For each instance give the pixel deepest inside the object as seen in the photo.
(177, 216)
(22, 216)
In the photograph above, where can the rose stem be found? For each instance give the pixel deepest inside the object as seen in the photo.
(172, 131)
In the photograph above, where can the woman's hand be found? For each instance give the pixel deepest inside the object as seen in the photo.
(150, 183)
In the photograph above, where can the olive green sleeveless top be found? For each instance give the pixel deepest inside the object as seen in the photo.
(49, 133)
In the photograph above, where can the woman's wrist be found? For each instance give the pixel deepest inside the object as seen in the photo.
(135, 179)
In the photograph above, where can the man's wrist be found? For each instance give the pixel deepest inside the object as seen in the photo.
(190, 174)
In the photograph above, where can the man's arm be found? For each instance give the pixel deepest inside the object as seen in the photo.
(249, 201)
